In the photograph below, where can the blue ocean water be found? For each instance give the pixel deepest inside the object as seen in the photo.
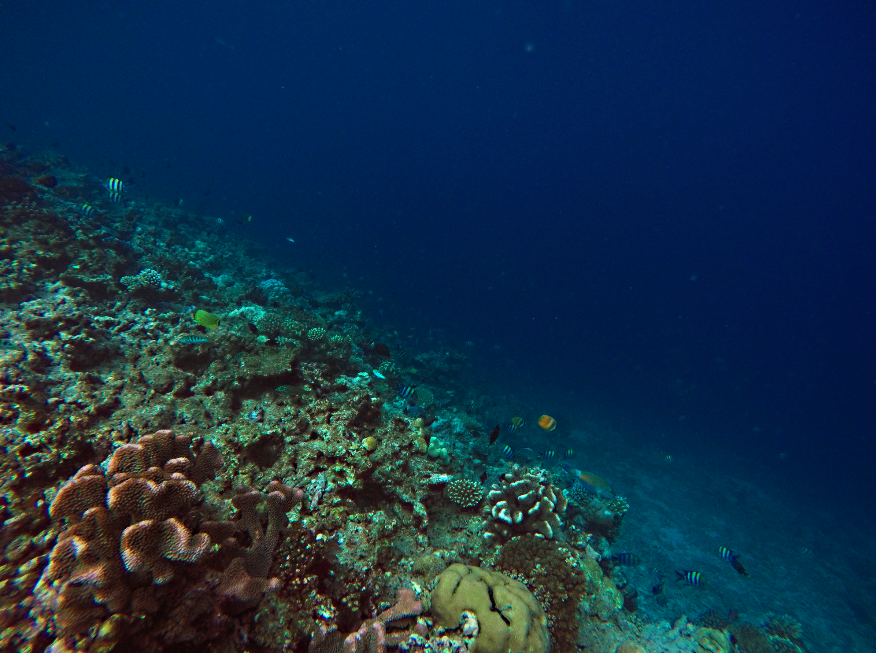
(649, 220)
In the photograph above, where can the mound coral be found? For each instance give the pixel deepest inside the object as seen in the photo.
(508, 616)
(525, 503)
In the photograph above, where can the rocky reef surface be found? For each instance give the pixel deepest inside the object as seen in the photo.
(204, 449)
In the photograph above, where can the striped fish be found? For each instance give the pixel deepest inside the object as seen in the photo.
(626, 559)
(727, 554)
(405, 391)
(86, 209)
(733, 559)
(568, 454)
(689, 577)
(115, 197)
(549, 455)
(114, 185)
(508, 452)
(191, 340)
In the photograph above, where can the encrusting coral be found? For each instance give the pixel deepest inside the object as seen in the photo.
(508, 616)
(525, 503)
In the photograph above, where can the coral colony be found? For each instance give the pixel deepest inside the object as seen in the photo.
(205, 451)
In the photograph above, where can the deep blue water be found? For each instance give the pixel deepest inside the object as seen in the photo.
(661, 214)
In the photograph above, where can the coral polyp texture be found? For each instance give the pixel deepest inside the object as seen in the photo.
(128, 543)
(464, 492)
(524, 502)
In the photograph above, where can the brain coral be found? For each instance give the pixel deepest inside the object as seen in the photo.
(509, 617)
(525, 503)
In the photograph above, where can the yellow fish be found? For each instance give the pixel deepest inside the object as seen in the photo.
(206, 319)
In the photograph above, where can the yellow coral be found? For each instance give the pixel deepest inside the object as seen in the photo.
(370, 443)
(509, 617)
(710, 640)
(629, 646)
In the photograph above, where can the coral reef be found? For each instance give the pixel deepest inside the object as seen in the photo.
(565, 583)
(525, 502)
(110, 539)
(508, 616)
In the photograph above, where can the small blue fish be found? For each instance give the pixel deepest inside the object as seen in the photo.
(508, 452)
(192, 340)
(115, 185)
(689, 577)
(626, 559)
(568, 454)
(405, 391)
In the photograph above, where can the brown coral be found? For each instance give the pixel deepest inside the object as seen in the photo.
(525, 503)
(371, 635)
(128, 534)
(562, 581)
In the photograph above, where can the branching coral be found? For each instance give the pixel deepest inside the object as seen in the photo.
(145, 280)
(525, 503)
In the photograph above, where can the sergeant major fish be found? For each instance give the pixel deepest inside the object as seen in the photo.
(733, 559)
(689, 577)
